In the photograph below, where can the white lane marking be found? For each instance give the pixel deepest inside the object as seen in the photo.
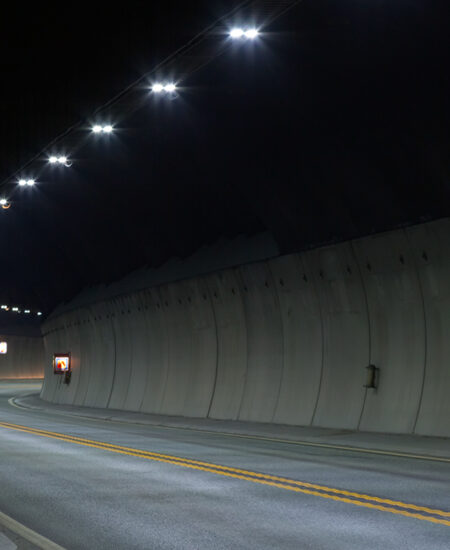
(28, 534)
(301, 443)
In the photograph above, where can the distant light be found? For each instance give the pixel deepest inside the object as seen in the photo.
(15, 309)
(27, 311)
(97, 129)
(62, 160)
(4, 307)
(52, 160)
(237, 33)
(170, 87)
(31, 182)
(251, 33)
(22, 182)
(3, 202)
(39, 313)
(107, 129)
(157, 88)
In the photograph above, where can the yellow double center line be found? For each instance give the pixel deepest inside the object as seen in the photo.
(340, 495)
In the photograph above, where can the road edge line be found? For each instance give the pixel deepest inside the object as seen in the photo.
(28, 534)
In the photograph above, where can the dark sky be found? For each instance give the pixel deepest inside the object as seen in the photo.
(335, 124)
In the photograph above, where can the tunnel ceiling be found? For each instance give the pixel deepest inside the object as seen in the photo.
(333, 125)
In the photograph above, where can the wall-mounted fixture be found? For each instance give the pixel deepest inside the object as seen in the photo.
(61, 363)
(373, 375)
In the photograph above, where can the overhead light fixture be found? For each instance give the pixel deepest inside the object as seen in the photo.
(159, 87)
(29, 182)
(62, 159)
(98, 129)
(238, 32)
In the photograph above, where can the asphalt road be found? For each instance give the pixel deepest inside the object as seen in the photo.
(94, 484)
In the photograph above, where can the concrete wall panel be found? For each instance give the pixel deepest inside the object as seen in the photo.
(225, 292)
(346, 336)
(158, 353)
(137, 326)
(302, 344)
(122, 312)
(397, 332)
(431, 247)
(102, 357)
(264, 343)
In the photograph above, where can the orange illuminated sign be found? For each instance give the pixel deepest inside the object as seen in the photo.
(61, 363)
(3, 348)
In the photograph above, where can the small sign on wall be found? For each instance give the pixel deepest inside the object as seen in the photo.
(3, 348)
(61, 363)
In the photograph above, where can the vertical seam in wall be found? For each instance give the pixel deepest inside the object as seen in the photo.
(245, 308)
(167, 323)
(282, 329)
(213, 392)
(316, 292)
(419, 404)
(143, 297)
(369, 325)
(115, 361)
(130, 334)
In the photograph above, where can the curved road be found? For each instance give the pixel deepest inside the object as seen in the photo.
(93, 484)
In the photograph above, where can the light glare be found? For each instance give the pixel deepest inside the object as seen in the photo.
(52, 160)
(236, 33)
(170, 87)
(251, 33)
(107, 129)
(97, 129)
(22, 182)
(157, 88)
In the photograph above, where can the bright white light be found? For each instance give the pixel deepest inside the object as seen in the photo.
(15, 309)
(107, 129)
(62, 160)
(97, 129)
(52, 160)
(27, 311)
(236, 32)
(39, 313)
(3, 202)
(4, 307)
(22, 182)
(251, 33)
(159, 87)
(31, 182)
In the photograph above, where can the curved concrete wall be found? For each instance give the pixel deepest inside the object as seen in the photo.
(25, 357)
(285, 340)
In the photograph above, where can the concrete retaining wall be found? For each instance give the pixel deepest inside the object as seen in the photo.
(25, 357)
(284, 340)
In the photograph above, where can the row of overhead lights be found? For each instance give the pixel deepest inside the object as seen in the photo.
(16, 309)
(236, 33)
